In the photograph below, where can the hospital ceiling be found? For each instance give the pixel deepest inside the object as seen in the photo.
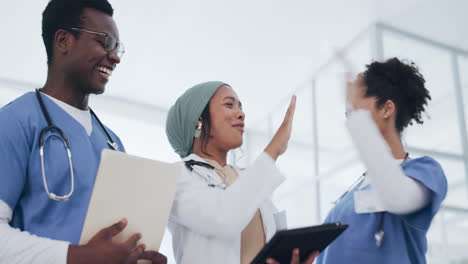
(265, 49)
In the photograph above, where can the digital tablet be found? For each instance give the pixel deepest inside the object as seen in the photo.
(306, 239)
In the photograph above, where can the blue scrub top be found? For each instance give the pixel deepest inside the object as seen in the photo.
(405, 235)
(21, 179)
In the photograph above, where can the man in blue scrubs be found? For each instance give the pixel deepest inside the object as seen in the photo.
(83, 48)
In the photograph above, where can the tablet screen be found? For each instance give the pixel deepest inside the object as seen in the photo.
(307, 239)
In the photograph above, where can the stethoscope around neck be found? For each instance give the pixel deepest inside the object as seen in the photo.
(43, 140)
(379, 234)
(190, 165)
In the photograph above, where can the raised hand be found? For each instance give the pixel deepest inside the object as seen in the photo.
(279, 142)
(351, 89)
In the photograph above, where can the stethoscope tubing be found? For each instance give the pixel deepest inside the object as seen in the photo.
(190, 164)
(42, 142)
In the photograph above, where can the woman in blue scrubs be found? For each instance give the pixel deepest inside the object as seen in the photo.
(390, 208)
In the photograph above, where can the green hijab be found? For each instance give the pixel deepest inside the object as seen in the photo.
(184, 114)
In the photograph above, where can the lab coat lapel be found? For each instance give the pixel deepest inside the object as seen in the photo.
(209, 175)
(269, 213)
(267, 209)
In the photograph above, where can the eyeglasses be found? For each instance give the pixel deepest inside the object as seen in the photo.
(111, 42)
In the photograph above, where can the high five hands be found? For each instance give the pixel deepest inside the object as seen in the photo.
(279, 142)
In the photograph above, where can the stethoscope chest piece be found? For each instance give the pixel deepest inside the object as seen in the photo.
(379, 235)
(113, 145)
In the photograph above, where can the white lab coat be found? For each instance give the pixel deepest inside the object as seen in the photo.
(206, 222)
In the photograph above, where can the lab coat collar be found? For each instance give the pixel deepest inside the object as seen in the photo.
(193, 156)
(208, 174)
(267, 209)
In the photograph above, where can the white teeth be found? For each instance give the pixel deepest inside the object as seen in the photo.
(105, 70)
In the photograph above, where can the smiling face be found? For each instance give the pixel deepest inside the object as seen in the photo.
(89, 64)
(227, 120)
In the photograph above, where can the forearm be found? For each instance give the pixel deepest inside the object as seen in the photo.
(399, 193)
(21, 247)
(403, 196)
(254, 187)
(224, 213)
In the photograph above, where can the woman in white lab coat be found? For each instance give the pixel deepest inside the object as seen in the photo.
(222, 214)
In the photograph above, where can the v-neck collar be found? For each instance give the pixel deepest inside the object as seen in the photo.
(75, 123)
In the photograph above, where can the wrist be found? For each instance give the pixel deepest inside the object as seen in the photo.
(272, 152)
(77, 254)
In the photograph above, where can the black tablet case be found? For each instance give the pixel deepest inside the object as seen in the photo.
(307, 239)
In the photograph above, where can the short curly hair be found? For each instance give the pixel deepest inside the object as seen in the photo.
(65, 14)
(402, 83)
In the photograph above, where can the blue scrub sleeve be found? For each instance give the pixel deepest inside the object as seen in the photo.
(428, 172)
(14, 158)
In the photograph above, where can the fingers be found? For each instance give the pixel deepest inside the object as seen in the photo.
(348, 78)
(279, 142)
(271, 261)
(295, 256)
(132, 241)
(291, 109)
(111, 231)
(311, 258)
(136, 253)
(154, 256)
(351, 96)
(347, 64)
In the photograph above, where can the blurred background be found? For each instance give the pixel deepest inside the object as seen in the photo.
(268, 50)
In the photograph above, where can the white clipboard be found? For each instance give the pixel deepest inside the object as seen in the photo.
(142, 190)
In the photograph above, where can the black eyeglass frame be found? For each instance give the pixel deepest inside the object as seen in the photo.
(109, 38)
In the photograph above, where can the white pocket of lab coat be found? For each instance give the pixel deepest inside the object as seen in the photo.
(281, 220)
